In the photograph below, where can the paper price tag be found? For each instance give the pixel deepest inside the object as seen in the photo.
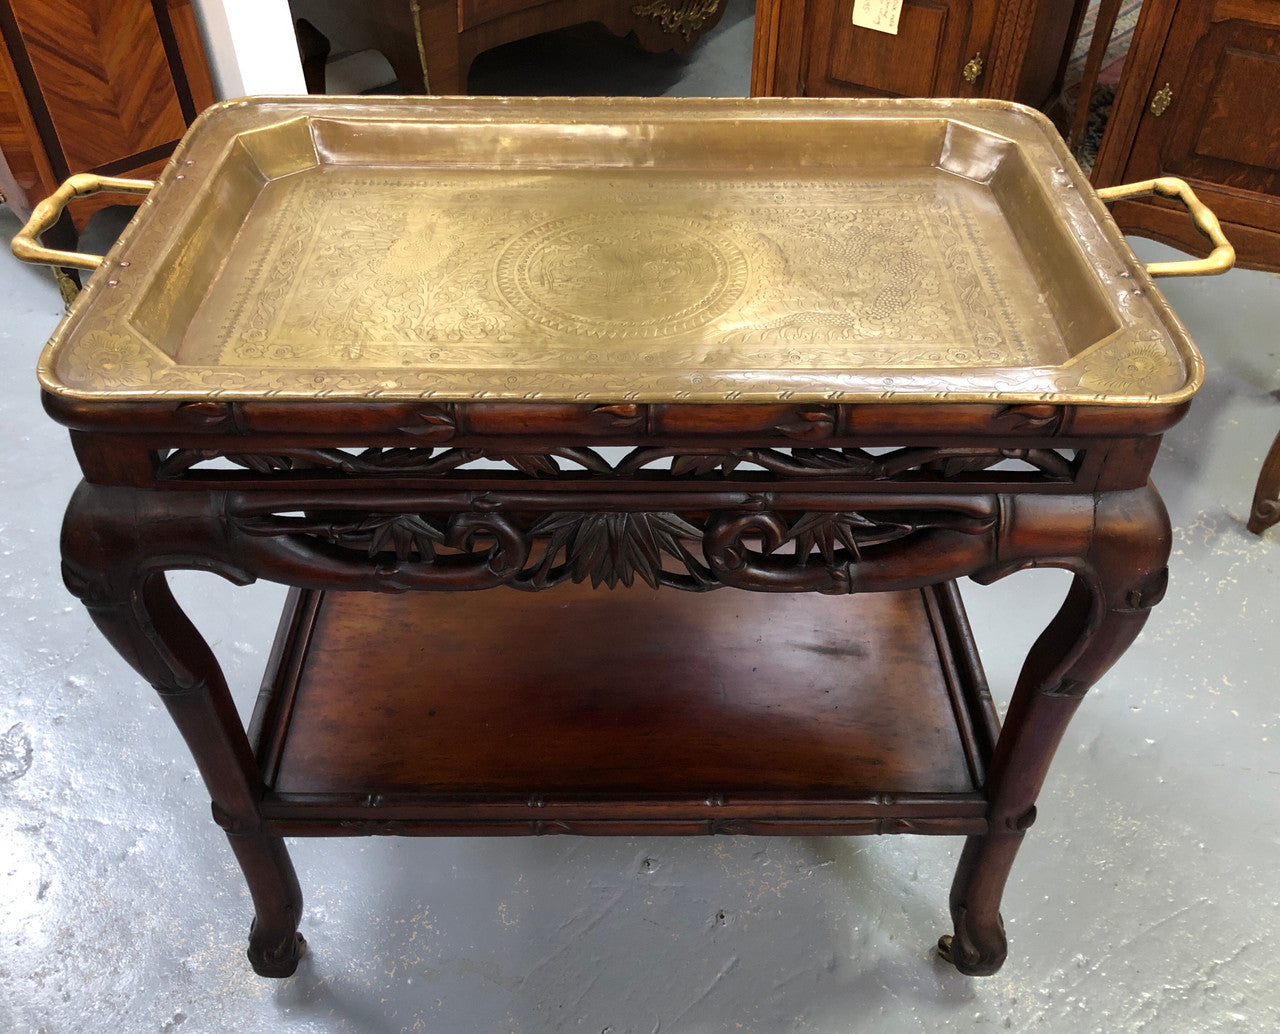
(881, 15)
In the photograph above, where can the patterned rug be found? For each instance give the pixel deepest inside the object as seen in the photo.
(1108, 77)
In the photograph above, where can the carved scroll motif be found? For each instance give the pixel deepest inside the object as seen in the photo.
(846, 551)
(405, 550)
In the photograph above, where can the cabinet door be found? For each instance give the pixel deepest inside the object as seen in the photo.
(927, 57)
(1205, 112)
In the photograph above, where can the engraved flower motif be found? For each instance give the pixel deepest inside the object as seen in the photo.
(111, 363)
(1139, 369)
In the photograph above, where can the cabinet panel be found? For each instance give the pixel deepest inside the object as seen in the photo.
(1242, 77)
(104, 75)
(919, 61)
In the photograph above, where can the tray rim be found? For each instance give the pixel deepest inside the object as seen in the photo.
(891, 384)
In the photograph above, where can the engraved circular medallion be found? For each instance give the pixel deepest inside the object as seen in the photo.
(622, 275)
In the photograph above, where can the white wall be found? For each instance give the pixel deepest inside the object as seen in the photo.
(251, 47)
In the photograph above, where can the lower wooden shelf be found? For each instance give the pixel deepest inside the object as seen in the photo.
(593, 711)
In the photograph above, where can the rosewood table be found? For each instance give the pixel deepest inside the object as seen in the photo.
(719, 398)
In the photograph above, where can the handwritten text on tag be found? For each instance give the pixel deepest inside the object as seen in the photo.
(881, 15)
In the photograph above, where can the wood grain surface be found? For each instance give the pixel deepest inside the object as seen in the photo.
(575, 691)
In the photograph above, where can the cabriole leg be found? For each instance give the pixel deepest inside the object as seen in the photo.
(1120, 578)
(115, 547)
(1266, 497)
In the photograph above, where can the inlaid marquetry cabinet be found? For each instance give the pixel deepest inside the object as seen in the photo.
(943, 48)
(106, 86)
(1198, 100)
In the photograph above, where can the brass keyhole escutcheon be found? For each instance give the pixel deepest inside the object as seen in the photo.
(973, 69)
(1161, 101)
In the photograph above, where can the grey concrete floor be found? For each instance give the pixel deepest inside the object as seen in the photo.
(1146, 897)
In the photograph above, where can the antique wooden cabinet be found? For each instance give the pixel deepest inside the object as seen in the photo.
(943, 48)
(430, 44)
(1198, 101)
(105, 86)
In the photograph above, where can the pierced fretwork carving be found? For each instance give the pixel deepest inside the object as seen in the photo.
(907, 463)
(837, 551)
(467, 550)
(844, 551)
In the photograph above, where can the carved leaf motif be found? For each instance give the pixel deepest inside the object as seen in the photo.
(588, 458)
(208, 415)
(700, 465)
(844, 461)
(950, 466)
(809, 424)
(531, 464)
(402, 533)
(1038, 417)
(433, 423)
(179, 461)
(407, 461)
(623, 413)
(262, 464)
(389, 459)
(609, 548)
(828, 531)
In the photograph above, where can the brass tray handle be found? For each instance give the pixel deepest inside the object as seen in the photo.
(1223, 256)
(26, 245)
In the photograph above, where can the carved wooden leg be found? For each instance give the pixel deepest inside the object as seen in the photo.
(1266, 497)
(114, 550)
(1120, 578)
(275, 946)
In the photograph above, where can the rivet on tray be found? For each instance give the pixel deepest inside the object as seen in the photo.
(124, 262)
(180, 176)
(112, 283)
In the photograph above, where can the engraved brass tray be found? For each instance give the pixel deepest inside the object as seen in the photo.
(622, 250)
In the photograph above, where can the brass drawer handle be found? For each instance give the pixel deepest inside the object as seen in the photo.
(973, 69)
(1223, 256)
(26, 245)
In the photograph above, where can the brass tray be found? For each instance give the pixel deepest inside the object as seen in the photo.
(622, 250)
